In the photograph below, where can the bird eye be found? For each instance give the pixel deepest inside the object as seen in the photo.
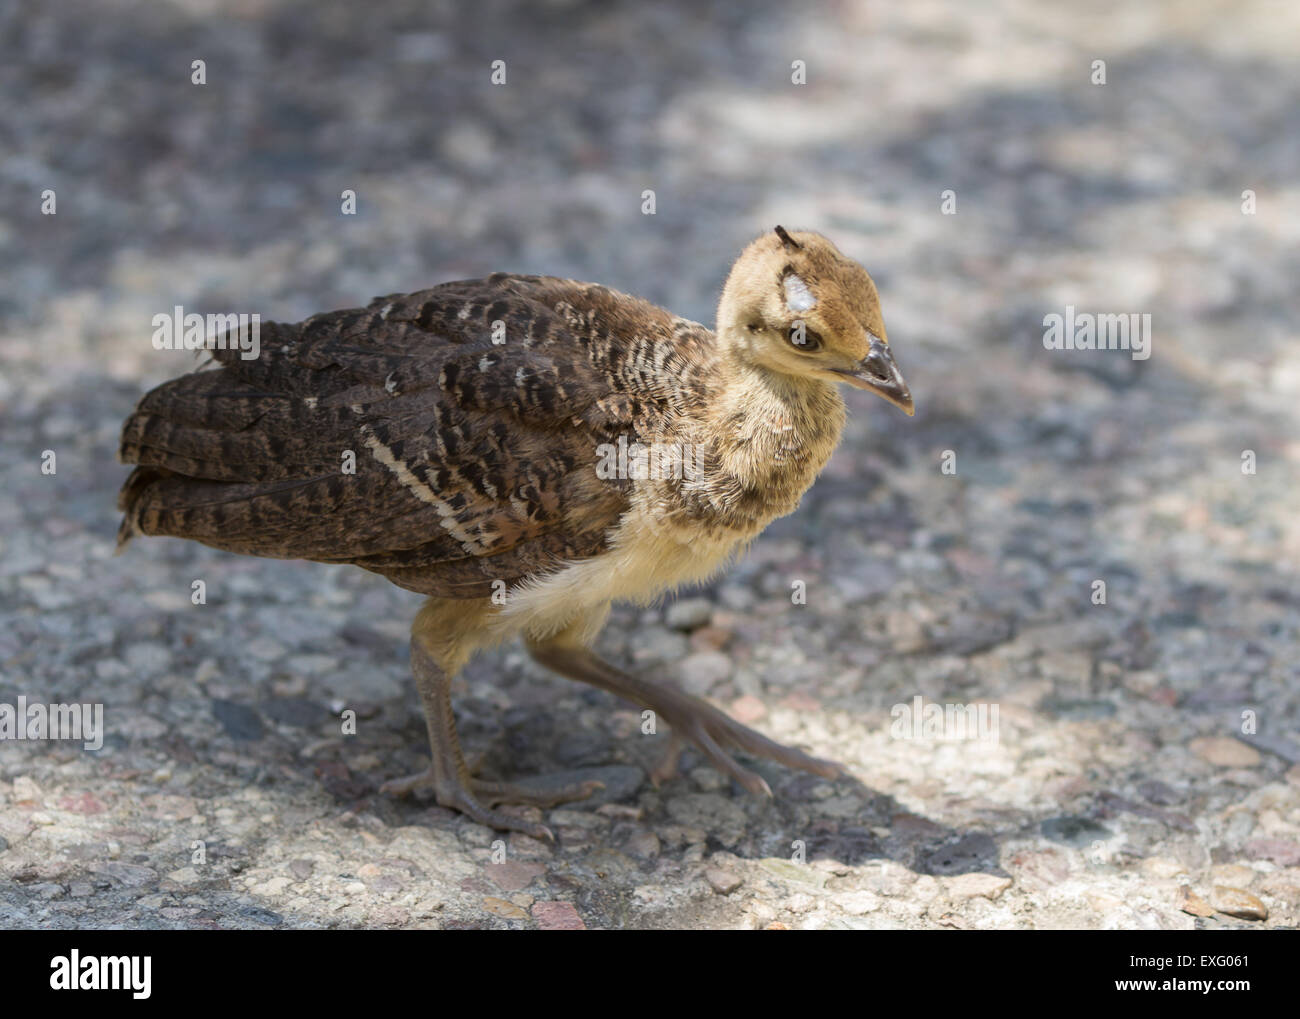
(755, 327)
(804, 339)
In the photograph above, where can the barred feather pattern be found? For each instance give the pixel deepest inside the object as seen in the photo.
(474, 460)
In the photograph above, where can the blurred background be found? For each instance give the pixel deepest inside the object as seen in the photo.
(1121, 722)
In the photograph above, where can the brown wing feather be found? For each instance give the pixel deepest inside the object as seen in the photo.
(475, 461)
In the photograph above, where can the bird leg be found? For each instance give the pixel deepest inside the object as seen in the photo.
(449, 777)
(691, 718)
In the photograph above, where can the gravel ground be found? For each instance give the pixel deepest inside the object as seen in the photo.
(1146, 771)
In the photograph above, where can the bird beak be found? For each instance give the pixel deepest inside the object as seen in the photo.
(878, 374)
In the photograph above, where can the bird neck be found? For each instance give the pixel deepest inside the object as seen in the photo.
(753, 391)
(775, 431)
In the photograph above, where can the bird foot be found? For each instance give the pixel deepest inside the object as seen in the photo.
(715, 733)
(475, 797)
(689, 718)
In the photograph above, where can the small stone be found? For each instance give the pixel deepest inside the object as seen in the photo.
(298, 712)
(354, 888)
(969, 886)
(1283, 852)
(266, 649)
(275, 886)
(688, 613)
(1234, 875)
(1042, 868)
(858, 903)
(748, 709)
(1159, 793)
(171, 808)
(905, 632)
(301, 869)
(1103, 902)
(801, 702)
(26, 790)
(644, 845)
(503, 908)
(621, 811)
(787, 870)
(619, 781)
(701, 671)
(557, 916)
(184, 876)
(239, 720)
(1071, 710)
(1225, 752)
(724, 882)
(1161, 867)
(710, 638)
(1235, 902)
(708, 779)
(513, 876)
(1190, 902)
(81, 803)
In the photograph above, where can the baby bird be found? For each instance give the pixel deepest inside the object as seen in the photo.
(527, 450)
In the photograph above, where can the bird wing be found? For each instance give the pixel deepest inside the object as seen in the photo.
(447, 439)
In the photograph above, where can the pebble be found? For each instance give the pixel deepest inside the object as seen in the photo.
(1224, 752)
(502, 908)
(858, 903)
(1160, 793)
(512, 875)
(1283, 852)
(787, 870)
(1232, 874)
(688, 613)
(1190, 902)
(1235, 902)
(1159, 867)
(708, 779)
(25, 790)
(906, 633)
(644, 845)
(701, 671)
(710, 638)
(275, 886)
(748, 709)
(557, 916)
(968, 886)
(240, 721)
(722, 881)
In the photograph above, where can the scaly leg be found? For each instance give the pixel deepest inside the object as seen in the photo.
(712, 731)
(448, 776)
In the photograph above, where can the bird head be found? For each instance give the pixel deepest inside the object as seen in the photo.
(794, 305)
